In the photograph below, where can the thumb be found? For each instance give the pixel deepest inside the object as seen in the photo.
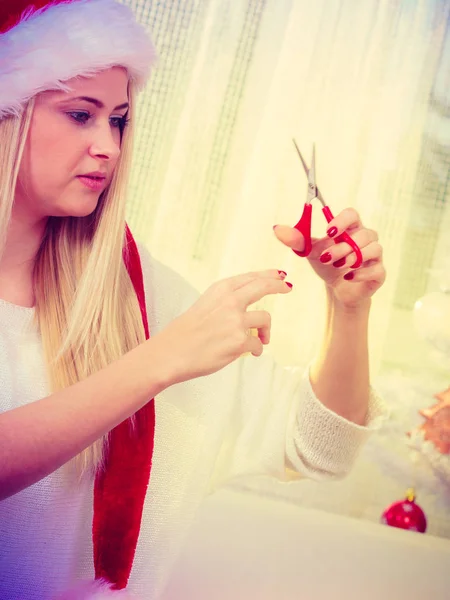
(290, 237)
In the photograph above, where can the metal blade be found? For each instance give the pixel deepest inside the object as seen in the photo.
(301, 157)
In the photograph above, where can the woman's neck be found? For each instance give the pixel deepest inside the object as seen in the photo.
(17, 261)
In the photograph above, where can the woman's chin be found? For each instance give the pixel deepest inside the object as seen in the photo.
(82, 208)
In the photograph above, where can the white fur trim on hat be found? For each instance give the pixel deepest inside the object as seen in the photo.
(65, 40)
(95, 590)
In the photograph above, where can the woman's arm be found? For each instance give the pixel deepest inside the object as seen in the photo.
(340, 373)
(38, 438)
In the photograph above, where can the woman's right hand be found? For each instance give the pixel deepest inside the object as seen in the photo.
(215, 330)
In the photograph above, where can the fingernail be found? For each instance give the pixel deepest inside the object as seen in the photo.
(340, 262)
(332, 231)
(288, 284)
(282, 273)
(349, 276)
(274, 227)
(325, 257)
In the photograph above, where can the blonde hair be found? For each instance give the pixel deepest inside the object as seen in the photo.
(86, 308)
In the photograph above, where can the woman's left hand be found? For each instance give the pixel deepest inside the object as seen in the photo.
(332, 262)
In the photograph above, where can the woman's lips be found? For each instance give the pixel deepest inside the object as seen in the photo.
(93, 183)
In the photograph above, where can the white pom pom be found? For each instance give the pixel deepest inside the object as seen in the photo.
(95, 590)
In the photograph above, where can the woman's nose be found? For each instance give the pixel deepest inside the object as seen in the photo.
(105, 143)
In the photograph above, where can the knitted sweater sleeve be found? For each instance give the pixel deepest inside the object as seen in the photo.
(280, 428)
(276, 425)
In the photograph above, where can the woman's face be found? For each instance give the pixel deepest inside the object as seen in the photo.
(70, 137)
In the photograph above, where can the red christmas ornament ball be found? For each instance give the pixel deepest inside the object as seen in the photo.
(405, 514)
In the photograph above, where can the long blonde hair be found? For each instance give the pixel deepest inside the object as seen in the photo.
(86, 309)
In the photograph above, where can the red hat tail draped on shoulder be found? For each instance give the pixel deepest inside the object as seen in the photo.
(120, 489)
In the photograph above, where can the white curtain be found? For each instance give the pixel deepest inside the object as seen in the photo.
(369, 83)
(215, 164)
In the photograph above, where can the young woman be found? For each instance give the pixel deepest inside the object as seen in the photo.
(124, 395)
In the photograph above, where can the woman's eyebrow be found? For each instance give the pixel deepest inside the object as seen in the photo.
(97, 103)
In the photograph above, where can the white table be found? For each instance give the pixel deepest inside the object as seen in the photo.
(245, 547)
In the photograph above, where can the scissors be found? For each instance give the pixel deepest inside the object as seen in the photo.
(304, 225)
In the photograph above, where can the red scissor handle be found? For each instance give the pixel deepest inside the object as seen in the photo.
(304, 226)
(344, 237)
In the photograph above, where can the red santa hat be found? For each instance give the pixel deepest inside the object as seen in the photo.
(42, 45)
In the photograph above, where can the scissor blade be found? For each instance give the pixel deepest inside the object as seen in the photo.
(312, 189)
(320, 197)
(301, 157)
(312, 169)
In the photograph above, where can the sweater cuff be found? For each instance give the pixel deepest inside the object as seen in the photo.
(325, 445)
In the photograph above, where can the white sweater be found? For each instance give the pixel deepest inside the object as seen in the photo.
(252, 417)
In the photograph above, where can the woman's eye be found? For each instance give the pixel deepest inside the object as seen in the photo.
(83, 117)
(119, 122)
(80, 117)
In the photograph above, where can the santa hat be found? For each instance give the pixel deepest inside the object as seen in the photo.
(42, 45)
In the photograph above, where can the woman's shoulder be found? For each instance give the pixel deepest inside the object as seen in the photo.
(164, 286)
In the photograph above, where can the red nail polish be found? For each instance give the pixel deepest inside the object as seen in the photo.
(340, 262)
(282, 273)
(349, 276)
(288, 284)
(325, 257)
(332, 231)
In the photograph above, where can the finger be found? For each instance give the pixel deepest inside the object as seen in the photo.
(347, 219)
(370, 253)
(289, 236)
(236, 282)
(364, 239)
(375, 272)
(361, 236)
(257, 289)
(254, 345)
(221, 288)
(259, 320)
